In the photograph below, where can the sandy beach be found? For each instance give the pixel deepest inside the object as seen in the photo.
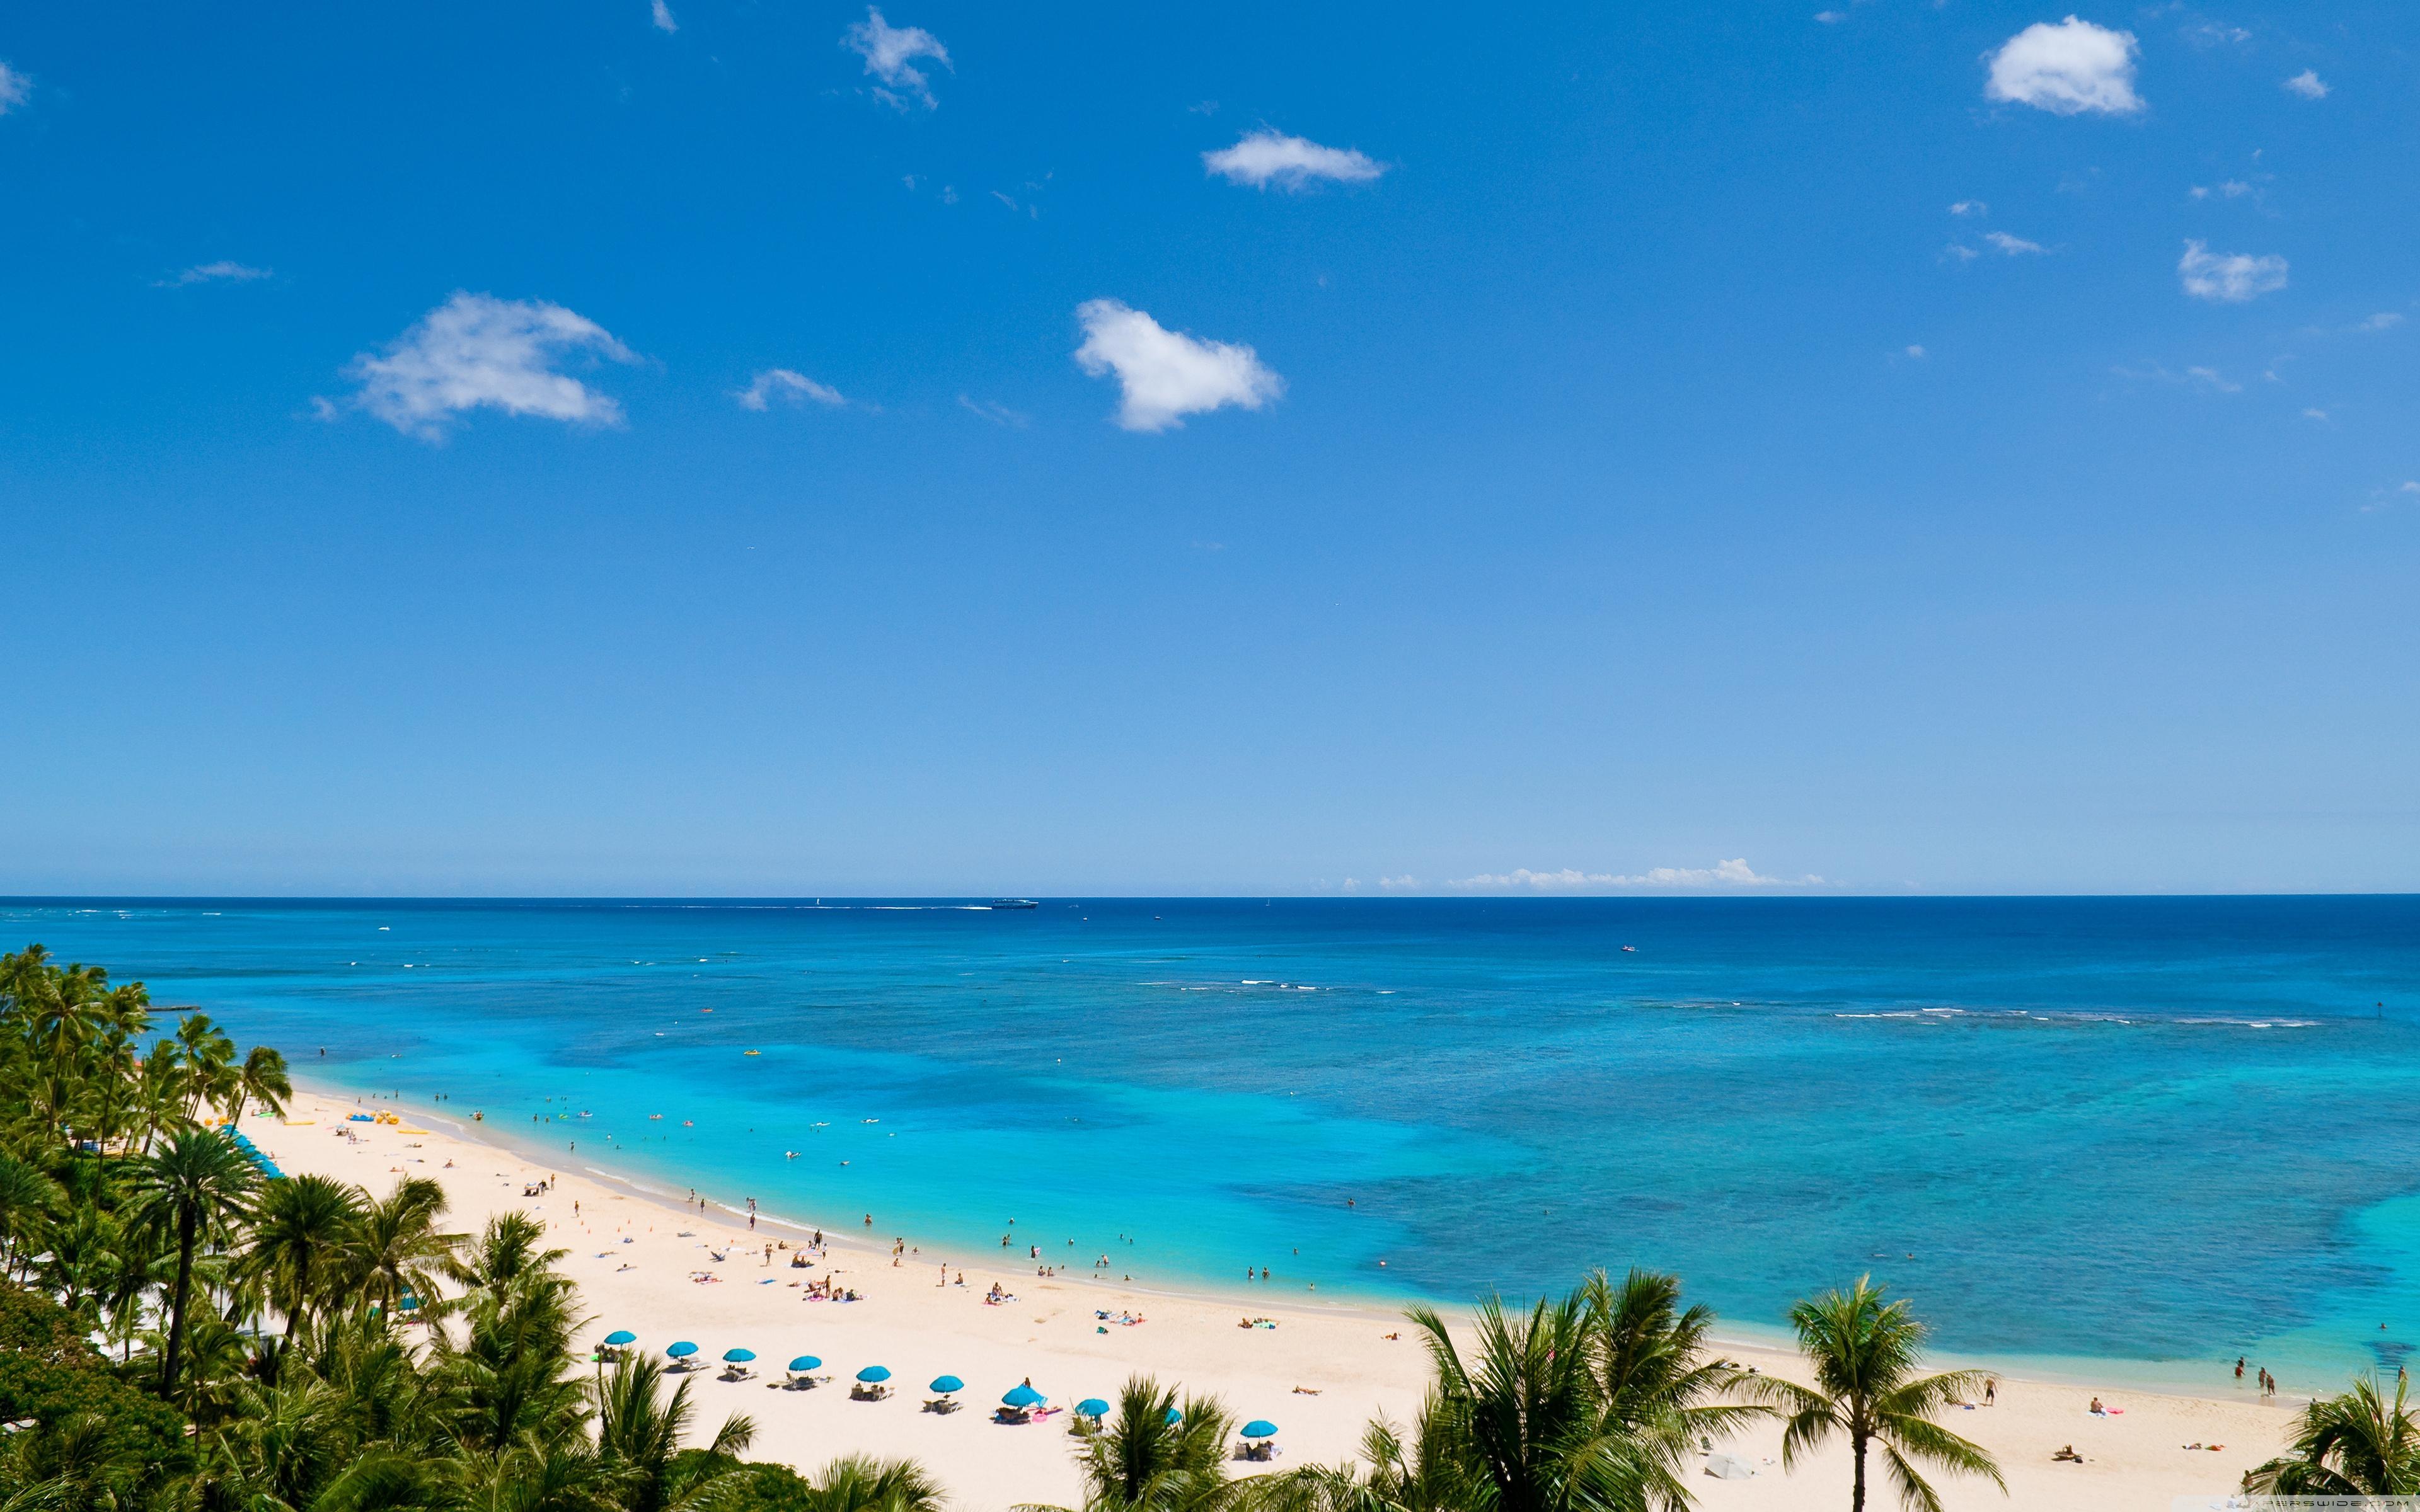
(1320, 1373)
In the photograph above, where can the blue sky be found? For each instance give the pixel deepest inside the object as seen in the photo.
(531, 448)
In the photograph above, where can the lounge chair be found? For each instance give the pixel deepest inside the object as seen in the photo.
(943, 1405)
(862, 1391)
(1011, 1414)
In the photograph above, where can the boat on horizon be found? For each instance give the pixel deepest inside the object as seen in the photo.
(1013, 902)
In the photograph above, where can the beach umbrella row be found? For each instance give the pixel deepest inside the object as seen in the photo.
(1022, 1395)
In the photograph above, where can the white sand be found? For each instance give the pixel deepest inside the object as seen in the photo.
(921, 1330)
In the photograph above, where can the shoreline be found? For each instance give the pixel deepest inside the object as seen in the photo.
(1321, 1370)
(2141, 1377)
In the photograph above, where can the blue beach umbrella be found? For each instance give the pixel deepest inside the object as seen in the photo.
(946, 1384)
(874, 1375)
(738, 1356)
(1259, 1427)
(1024, 1396)
(1175, 1416)
(805, 1361)
(1092, 1407)
(682, 1351)
(621, 1336)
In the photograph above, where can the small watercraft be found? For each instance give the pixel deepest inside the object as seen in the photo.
(1014, 903)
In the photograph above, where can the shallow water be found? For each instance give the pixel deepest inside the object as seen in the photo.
(2153, 1130)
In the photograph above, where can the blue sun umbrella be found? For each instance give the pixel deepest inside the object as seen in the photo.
(874, 1375)
(1175, 1416)
(805, 1361)
(1024, 1396)
(682, 1351)
(946, 1384)
(738, 1356)
(1092, 1407)
(621, 1336)
(1259, 1427)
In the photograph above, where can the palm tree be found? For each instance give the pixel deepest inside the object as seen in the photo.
(208, 1058)
(194, 1186)
(1418, 1474)
(399, 1246)
(306, 1228)
(1528, 1416)
(860, 1483)
(508, 1248)
(1159, 1456)
(1657, 1381)
(2355, 1445)
(27, 1199)
(639, 1434)
(262, 1079)
(1864, 1352)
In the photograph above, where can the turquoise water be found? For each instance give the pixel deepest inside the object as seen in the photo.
(2153, 1130)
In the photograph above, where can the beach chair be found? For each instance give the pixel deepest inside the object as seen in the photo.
(1017, 1416)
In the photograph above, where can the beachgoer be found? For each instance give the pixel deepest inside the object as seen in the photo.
(1991, 1392)
(2239, 1367)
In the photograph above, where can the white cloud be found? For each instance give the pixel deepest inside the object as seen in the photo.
(891, 54)
(1970, 207)
(997, 414)
(2383, 320)
(2209, 380)
(2307, 84)
(476, 350)
(662, 14)
(1166, 375)
(1831, 18)
(2067, 68)
(2229, 278)
(212, 273)
(781, 383)
(2213, 379)
(1916, 353)
(15, 89)
(2320, 415)
(2409, 488)
(1963, 252)
(2013, 246)
(1268, 157)
(1731, 873)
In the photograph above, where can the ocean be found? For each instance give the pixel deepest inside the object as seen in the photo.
(2084, 1136)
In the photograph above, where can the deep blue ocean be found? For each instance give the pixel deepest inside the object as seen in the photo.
(2163, 1130)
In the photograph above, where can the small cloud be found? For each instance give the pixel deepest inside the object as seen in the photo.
(2208, 380)
(949, 194)
(2215, 34)
(891, 54)
(1268, 157)
(1959, 251)
(1164, 375)
(2409, 488)
(2068, 69)
(1915, 352)
(999, 414)
(662, 16)
(324, 409)
(1970, 207)
(476, 351)
(1207, 107)
(2383, 320)
(1831, 18)
(2013, 246)
(1722, 874)
(15, 89)
(1406, 883)
(218, 273)
(783, 384)
(2229, 278)
(2320, 415)
(2307, 83)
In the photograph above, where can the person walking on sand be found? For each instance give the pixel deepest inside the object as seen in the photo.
(1991, 1392)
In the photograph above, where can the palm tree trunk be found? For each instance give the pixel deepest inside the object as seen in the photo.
(176, 1309)
(1857, 1486)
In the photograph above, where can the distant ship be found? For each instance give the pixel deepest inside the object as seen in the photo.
(1014, 903)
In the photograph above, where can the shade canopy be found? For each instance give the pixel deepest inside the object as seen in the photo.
(873, 1373)
(1092, 1407)
(1024, 1396)
(805, 1361)
(621, 1335)
(738, 1356)
(682, 1351)
(1259, 1427)
(946, 1384)
(1175, 1416)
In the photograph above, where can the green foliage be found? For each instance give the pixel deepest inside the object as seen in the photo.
(48, 1373)
(2356, 1445)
